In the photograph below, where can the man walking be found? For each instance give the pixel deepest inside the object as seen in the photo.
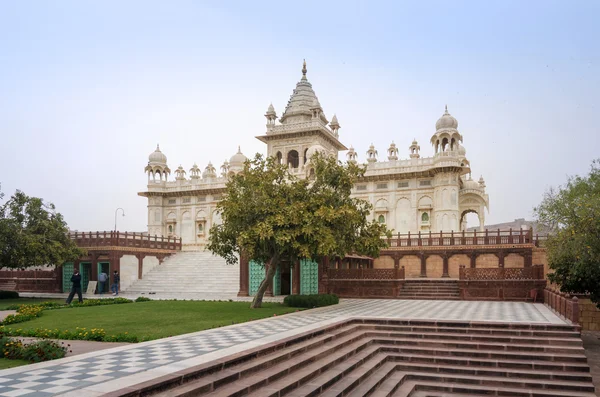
(115, 284)
(102, 278)
(76, 280)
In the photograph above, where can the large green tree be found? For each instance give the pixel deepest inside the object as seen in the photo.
(32, 233)
(572, 214)
(269, 215)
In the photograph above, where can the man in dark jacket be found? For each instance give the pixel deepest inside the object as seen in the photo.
(115, 284)
(76, 280)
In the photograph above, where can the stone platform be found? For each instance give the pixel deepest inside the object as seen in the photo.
(123, 370)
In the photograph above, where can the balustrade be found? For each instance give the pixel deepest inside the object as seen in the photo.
(447, 239)
(126, 239)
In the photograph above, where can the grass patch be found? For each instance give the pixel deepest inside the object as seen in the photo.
(155, 319)
(6, 363)
(4, 303)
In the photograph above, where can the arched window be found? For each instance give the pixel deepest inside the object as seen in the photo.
(425, 217)
(279, 157)
(311, 174)
(170, 228)
(381, 219)
(293, 158)
(305, 150)
(200, 228)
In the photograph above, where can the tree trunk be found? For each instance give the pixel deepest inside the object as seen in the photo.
(268, 280)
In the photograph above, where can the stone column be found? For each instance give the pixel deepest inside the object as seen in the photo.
(445, 265)
(269, 291)
(473, 260)
(140, 258)
(244, 276)
(296, 278)
(423, 265)
(501, 259)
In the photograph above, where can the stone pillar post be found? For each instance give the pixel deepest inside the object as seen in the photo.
(445, 265)
(423, 265)
(269, 291)
(140, 258)
(528, 259)
(244, 276)
(501, 259)
(296, 278)
(473, 260)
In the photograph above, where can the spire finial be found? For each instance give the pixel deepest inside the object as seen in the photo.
(239, 149)
(446, 109)
(304, 69)
(157, 147)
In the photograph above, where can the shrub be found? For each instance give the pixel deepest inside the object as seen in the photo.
(43, 350)
(24, 313)
(310, 301)
(143, 299)
(9, 294)
(11, 348)
(126, 337)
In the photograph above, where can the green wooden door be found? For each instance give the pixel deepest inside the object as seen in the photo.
(85, 270)
(67, 273)
(309, 277)
(257, 274)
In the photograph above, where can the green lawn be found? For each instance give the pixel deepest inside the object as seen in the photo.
(6, 363)
(155, 319)
(4, 303)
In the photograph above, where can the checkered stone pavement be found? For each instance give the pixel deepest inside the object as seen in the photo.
(122, 365)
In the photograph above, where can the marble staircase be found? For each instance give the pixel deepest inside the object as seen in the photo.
(188, 273)
(369, 357)
(440, 289)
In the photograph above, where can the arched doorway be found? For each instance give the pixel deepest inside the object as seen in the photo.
(293, 159)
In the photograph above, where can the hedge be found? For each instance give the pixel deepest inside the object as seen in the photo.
(310, 301)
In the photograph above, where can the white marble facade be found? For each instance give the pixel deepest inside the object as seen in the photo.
(409, 195)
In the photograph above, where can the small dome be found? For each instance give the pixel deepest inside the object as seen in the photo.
(446, 121)
(157, 156)
(238, 159)
(461, 150)
(209, 171)
(414, 142)
(314, 149)
(471, 184)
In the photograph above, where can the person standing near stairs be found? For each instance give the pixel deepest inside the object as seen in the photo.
(115, 284)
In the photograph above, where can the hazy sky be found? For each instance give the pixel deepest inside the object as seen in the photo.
(88, 88)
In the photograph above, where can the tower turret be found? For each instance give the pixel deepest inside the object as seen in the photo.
(352, 156)
(335, 126)
(371, 154)
(414, 149)
(392, 152)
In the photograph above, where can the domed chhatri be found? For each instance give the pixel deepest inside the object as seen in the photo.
(238, 159)
(446, 122)
(157, 156)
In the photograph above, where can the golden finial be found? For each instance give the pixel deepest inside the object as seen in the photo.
(304, 68)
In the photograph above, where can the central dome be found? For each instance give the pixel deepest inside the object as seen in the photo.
(238, 159)
(446, 122)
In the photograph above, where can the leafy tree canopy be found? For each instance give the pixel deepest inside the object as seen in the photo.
(572, 213)
(32, 233)
(270, 215)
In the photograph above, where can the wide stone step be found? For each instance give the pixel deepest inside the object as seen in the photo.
(434, 389)
(402, 357)
(475, 330)
(499, 339)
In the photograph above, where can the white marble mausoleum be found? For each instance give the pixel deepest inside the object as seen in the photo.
(409, 193)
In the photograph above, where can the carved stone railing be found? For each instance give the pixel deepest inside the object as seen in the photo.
(126, 239)
(448, 239)
(535, 272)
(564, 304)
(366, 274)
